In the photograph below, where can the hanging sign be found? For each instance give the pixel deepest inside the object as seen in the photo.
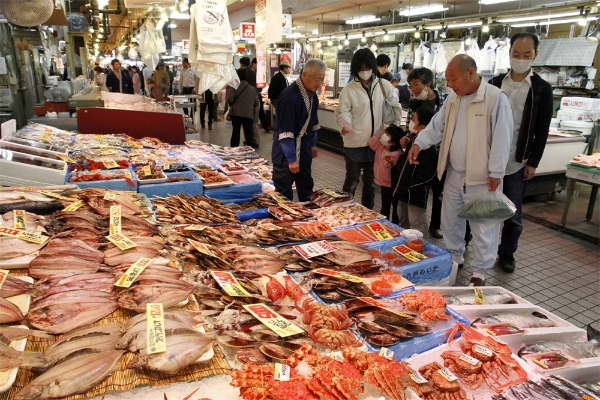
(247, 30)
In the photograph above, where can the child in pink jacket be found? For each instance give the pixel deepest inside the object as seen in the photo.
(387, 147)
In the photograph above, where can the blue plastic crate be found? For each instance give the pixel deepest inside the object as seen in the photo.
(239, 190)
(188, 188)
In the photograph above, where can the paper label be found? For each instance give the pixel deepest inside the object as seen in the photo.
(110, 164)
(115, 220)
(387, 353)
(278, 199)
(418, 378)
(99, 137)
(65, 158)
(289, 209)
(229, 283)
(479, 298)
(146, 170)
(344, 216)
(314, 249)
(331, 193)
(3, 276)
(269, 226)
(586, 397)
(541, 364)
(281, 372)
(134, 271)
(469, 359)
(483, 350)
(74, 206)
(274, 321)
(409, 253)
(23, 235)
(45, 193)
(166, 166)
(45, 135)
(340, 275)
(337, 355)
(195, 228)
(498, 340)
(121, 241)
(373, 302)
(110, 196)
(446, 373)
(155, 328)
(379, 231)
(127, 173)
(108, 152)
(490, 332)
(19, 219)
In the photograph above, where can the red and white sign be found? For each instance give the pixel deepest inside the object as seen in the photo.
(247, 30)
(286, 24)
(315, 249)
(186, 45)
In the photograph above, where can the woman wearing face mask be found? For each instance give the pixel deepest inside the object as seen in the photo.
(359, 116)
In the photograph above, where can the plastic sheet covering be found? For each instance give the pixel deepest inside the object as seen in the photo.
(152, 43)
(212, 46)
(261, 213)
(489, 209)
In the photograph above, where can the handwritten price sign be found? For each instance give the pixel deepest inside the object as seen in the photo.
(315, 249)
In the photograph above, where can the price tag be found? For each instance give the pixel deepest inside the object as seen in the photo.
(373, 302)
(99, 137)
(469, 359)
(45, 135)
(19, 219)
(3, 276)
(195, 228)
(314, 249)
(108, 152)
(446, 373)
(379, 231)
(331, 193)
(110, 196)
(146, 170)
(133, 272)
(337, 274)
(281, 372)
(155, 328)
(127, 174)
(166, 166)
(418, 378)
(274, 321)
(115, 220)
(387, 353)
(341, 214)
(74, 206)
(479, 298)
(121, 241)
(229, 283)
(65, 158)
(110, 164)
(45, 193)
(289, 209)
(269, 226)
(483, 350)
(337, 355)
(48, 131)
(23, 235)
(409, 253)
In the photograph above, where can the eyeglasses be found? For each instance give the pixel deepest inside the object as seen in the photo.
(413, 84)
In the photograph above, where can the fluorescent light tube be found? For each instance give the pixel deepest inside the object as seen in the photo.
(362, 20)
(466, 24)
(405, 30)
(538, 17)
(433, 8)
(554, 22)
(487, 2)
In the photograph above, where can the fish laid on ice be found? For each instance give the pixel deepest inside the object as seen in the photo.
(182, 350)
(69, 313)
(11, 358)
(76, 375)
(72, 247)
(535, 320)
(44, 266)
(9, 312)
(138, 296)
(11, 247)
(116, 256)
(468, 299)
(577, 350)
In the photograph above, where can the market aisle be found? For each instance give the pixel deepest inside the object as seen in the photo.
(556, 271)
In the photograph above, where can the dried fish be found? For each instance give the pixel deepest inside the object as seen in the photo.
(72, 247)
(14, 286)
(45, 266)
(116, 256)
(95, 199)
(9, 312)
(138, 296)
(10, 333)
(11, 247)
(11, 358)
(182, 209)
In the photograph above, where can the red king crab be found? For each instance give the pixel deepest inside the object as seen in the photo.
(429, 303)
(497, 365)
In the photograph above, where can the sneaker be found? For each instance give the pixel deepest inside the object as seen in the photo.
(436, 233)
(506, 263)
(476, 282)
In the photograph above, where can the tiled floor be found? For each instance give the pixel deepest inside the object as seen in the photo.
(559, 272)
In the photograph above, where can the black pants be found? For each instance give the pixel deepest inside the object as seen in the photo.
(210, 103)
(388, 200)
(437, 186)
(188, 90)
(353, 170)
(262, 116)
(283, 179)
(237, 123)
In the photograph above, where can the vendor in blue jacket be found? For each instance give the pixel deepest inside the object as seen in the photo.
(295, 137)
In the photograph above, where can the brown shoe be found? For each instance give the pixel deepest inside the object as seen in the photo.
(477, 282)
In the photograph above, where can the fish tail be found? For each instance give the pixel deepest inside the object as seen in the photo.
(40, 334)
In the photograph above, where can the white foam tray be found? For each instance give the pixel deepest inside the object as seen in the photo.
(487, 290)
(8, 377)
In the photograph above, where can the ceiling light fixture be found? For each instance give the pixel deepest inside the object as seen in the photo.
(362, 20)
(319, 45)
(329, 43)
(346, 41)
(374, 46)
(386, 37)
(178, 15)
(465, 24)
(488, 2)
(554, 22)
(594, 36)
(583, 16)
(172, 25)
(340, 46)
(486, 24)
(539, 17)
(430, 9)
(404, 30)
(444, 32)
(363, 38)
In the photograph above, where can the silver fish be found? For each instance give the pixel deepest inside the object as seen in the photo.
(182, 350)
(468, 299)
(76, 375)
(535, 320)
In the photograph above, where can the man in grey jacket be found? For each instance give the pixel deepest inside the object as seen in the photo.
(475, 129)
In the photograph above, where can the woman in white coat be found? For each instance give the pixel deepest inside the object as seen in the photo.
(359, 116)
(100, 78)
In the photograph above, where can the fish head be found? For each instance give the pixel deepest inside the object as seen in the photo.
(292, 288)
(275, 290)
(30, 392)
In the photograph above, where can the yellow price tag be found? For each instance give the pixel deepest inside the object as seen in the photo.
(155, 328)
(115, 220)
(121, 241)
(134, 271)
(19, 219)
(110, 164)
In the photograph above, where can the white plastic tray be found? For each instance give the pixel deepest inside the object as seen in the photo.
(23, 300)
(7, 378)
(18, 262)
(228, 172)
(143, 181)
(487, 290)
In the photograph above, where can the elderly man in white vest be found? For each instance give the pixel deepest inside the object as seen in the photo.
(475, 128)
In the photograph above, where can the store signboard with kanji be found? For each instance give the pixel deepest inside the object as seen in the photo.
(247, 30)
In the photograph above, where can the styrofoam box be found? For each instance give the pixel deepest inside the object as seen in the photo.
(576, 115)
(487, 290)
(586, 367)
(580, 103)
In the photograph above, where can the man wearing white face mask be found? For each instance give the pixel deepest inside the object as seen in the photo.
(531, 101)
